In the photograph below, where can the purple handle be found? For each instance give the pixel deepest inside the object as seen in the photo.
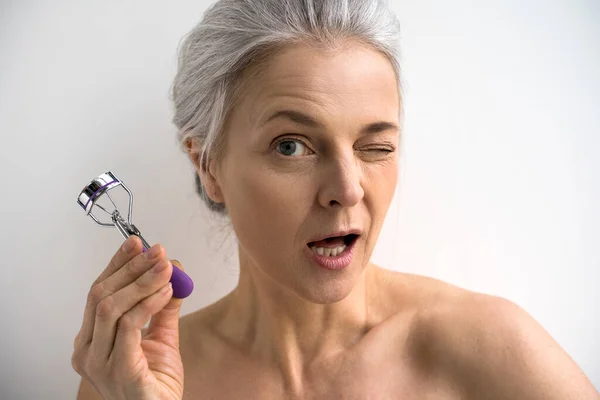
(182, 283)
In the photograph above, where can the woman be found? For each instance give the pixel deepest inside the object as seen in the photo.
(291, 113)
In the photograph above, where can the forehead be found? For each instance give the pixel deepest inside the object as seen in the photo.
(353, 81)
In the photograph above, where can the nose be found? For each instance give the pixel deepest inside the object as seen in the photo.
(341, 182)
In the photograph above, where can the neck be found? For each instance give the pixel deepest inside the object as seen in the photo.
(284, 330)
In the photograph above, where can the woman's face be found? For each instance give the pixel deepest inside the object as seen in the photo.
(307, 155)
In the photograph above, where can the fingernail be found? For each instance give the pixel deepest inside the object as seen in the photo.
(153, 252)
(160, 267)
(166, 288)
(128, 245)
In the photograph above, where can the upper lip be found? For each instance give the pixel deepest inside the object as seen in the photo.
(335, 234)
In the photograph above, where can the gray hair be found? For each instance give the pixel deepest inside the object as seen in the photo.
(235, 34)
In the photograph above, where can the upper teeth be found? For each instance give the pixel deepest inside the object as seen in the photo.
(328, 251)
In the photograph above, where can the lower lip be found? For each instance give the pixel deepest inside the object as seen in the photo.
(340, 261)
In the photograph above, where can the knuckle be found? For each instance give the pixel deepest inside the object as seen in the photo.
(75, 362)
(76, 341)
(127, 322)
(97, 293)
(105, 308)
(79, 362)
(96, 281)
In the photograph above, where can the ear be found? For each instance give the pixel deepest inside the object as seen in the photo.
(208, 175)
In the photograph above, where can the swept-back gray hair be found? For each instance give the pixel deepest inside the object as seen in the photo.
(235, 34)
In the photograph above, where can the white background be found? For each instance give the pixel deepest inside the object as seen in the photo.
(499, 189)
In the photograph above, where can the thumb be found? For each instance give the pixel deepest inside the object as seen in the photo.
(164, 325)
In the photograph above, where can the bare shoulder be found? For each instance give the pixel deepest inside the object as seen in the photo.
(489, 347)
(200, 343)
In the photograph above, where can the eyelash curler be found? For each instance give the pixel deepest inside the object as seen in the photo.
(88, 199)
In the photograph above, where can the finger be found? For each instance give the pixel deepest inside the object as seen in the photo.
(128, 337)
(164, 325)
(128, 250)
(120, 278)
(132, 270)
(115, 306)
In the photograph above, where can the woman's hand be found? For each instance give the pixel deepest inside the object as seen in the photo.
(110, 350)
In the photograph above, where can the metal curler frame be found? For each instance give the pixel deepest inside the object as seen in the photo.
(182, 283)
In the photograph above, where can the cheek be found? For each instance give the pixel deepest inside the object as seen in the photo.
(379, 193)
(381, 181)
(390, 180)
(266, 209)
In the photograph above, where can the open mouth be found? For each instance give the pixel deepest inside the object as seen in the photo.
(347, 240)
(333, 246)
(350, 239)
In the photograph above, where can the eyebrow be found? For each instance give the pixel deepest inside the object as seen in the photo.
(306, 120)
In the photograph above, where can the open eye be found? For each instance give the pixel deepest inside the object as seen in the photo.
(290, 147)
